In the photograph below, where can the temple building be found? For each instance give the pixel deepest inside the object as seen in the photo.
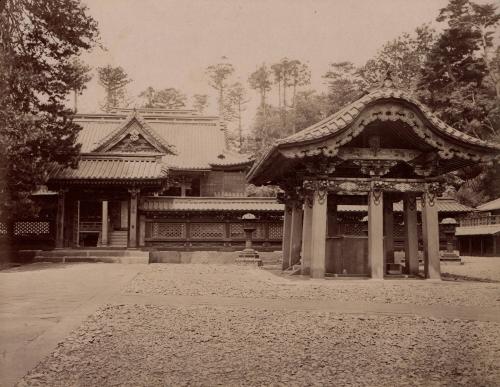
(479, 234)
(158, 179)
(384, 148)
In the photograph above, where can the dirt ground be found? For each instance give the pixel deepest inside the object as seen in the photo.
(161, 324)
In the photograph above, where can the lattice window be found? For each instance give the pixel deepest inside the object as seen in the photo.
(31, 228)
(162, 230)
(3, 229)
(354, 228)
(276, 231)
(238, 233)
(207, 230)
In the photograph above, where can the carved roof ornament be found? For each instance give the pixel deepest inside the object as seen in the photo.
(388, 80)
(375, 167)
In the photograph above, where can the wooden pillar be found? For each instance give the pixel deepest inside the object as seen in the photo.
(142, 230)
(430, 233)
(388, 232)
(318, 233)
(183, 189)
(376, 234)
(124, 214)
(287, 228)
(306, 237)
(332, 215)
(411, 234)
(296, 233)
(104, 223)
(60, 219)
(77, 225)
(132, 224)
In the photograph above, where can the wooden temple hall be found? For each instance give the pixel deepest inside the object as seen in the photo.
(156, 179)
(384, 148)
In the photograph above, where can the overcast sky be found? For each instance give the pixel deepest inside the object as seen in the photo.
(166, 43)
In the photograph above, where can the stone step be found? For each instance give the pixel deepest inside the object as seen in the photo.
(92, 253)
(93, 259)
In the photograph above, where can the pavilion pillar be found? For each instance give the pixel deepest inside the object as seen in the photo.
(318, 233)
(287, 228)
(388, 231)
(411, 234)
(60, 219)
(376, 234)
(296, 233)
(332, 215)
(132, 225)
(104, 223)
(430, 233)
(306, 237)
(142, 230)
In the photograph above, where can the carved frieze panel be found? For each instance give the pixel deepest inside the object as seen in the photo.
(353, 153)
(375, 167)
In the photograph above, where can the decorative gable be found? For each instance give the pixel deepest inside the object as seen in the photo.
(134, 136)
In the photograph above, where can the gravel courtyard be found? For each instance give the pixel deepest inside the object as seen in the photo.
(226, 325)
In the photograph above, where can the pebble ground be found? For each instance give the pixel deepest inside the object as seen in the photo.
(238, 345)
(127, 345)
(231, 281)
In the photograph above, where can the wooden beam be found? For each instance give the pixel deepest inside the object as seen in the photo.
(376, 234)
(287, 227)
(306, 238)
(430, 233)
(411, 234)
(318, 233)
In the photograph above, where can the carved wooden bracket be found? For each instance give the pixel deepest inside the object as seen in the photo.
(375, 167)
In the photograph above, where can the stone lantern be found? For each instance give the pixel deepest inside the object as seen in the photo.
(449, 225)
(249, 256)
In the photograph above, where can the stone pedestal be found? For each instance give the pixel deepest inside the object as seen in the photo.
(249, 256)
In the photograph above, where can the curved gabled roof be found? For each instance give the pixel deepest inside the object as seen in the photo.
(339, 122)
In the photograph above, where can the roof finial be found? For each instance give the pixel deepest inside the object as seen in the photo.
(388, 80)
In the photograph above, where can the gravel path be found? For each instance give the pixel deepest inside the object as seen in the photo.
(131, 345)
(475, 267)
(237, 281)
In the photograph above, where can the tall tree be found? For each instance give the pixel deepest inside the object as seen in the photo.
(455, 79)
(169, 98)
(219, 75)
(114, 80)
(345, 85)
(260, 80)
(39, 41)
(200, 102)
(79, 78)
(237, 97)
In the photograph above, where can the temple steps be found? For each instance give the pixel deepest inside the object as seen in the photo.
(118, 239)
(93, 255)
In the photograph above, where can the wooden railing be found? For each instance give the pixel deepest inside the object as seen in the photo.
(480, 221)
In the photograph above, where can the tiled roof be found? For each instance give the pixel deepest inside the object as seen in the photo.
(490, 206)
(113, 168)
(196, 140)
(443, 205)
(345, 116)
(478, 230)
(153, 203)
(337, 122)
(158, 203)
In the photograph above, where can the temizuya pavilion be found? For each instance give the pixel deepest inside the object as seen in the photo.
(383, 148)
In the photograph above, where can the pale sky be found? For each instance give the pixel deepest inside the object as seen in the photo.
(169, 43)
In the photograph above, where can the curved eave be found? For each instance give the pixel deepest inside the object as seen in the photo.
(339, 122)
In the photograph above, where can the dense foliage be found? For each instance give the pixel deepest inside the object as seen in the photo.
(39, 43)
